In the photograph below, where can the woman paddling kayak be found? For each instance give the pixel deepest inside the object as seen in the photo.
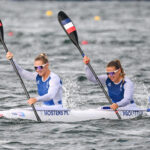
(49, 84)
(120, 88)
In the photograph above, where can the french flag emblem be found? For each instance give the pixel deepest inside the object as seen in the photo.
(68, 25)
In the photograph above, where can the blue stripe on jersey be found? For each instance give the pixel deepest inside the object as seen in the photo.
(51, 102)
(115, 91)
(60, 82)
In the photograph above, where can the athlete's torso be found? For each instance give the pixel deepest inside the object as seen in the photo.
(115, 91)
(52, 83)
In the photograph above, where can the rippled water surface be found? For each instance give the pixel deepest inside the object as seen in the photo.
(123, 32)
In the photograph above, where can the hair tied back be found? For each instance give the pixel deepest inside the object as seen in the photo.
(43, 57)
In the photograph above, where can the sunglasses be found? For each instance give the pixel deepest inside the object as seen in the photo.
(112, 73)
(39, 67)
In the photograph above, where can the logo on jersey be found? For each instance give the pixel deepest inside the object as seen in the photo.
(109, 84)
(47, 85)
(121, 88)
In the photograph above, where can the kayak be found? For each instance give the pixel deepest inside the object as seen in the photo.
(52, 114)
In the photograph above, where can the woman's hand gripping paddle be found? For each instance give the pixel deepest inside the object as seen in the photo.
(70, 30)
(15, 69)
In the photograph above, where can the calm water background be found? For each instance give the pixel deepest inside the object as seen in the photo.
(122, 33)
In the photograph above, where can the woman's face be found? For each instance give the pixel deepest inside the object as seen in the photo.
(113, 74)
(40, 67)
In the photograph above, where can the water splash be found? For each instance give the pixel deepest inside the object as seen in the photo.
(141, 94)
(71, 97)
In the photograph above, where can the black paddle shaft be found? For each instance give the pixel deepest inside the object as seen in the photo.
(70, 30)
(96, 77)
(15, 69)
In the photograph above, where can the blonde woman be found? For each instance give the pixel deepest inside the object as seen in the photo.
(49, 85)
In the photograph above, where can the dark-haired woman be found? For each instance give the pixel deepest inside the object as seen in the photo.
(120, 88)
(49, 84)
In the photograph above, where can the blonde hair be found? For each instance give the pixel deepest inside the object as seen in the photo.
(116, 63)
(43, 57)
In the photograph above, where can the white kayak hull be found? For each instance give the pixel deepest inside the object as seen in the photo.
(66, 115)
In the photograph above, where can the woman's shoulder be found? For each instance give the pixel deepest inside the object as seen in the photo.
(127, 80)
(54, 76)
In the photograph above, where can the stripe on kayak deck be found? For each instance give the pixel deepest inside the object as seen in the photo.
(1, 115)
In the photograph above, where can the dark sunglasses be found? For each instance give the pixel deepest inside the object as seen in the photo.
(112, 73)
(39, 67)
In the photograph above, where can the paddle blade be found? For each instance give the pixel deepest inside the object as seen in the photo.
(1, 31)
(68, 27)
